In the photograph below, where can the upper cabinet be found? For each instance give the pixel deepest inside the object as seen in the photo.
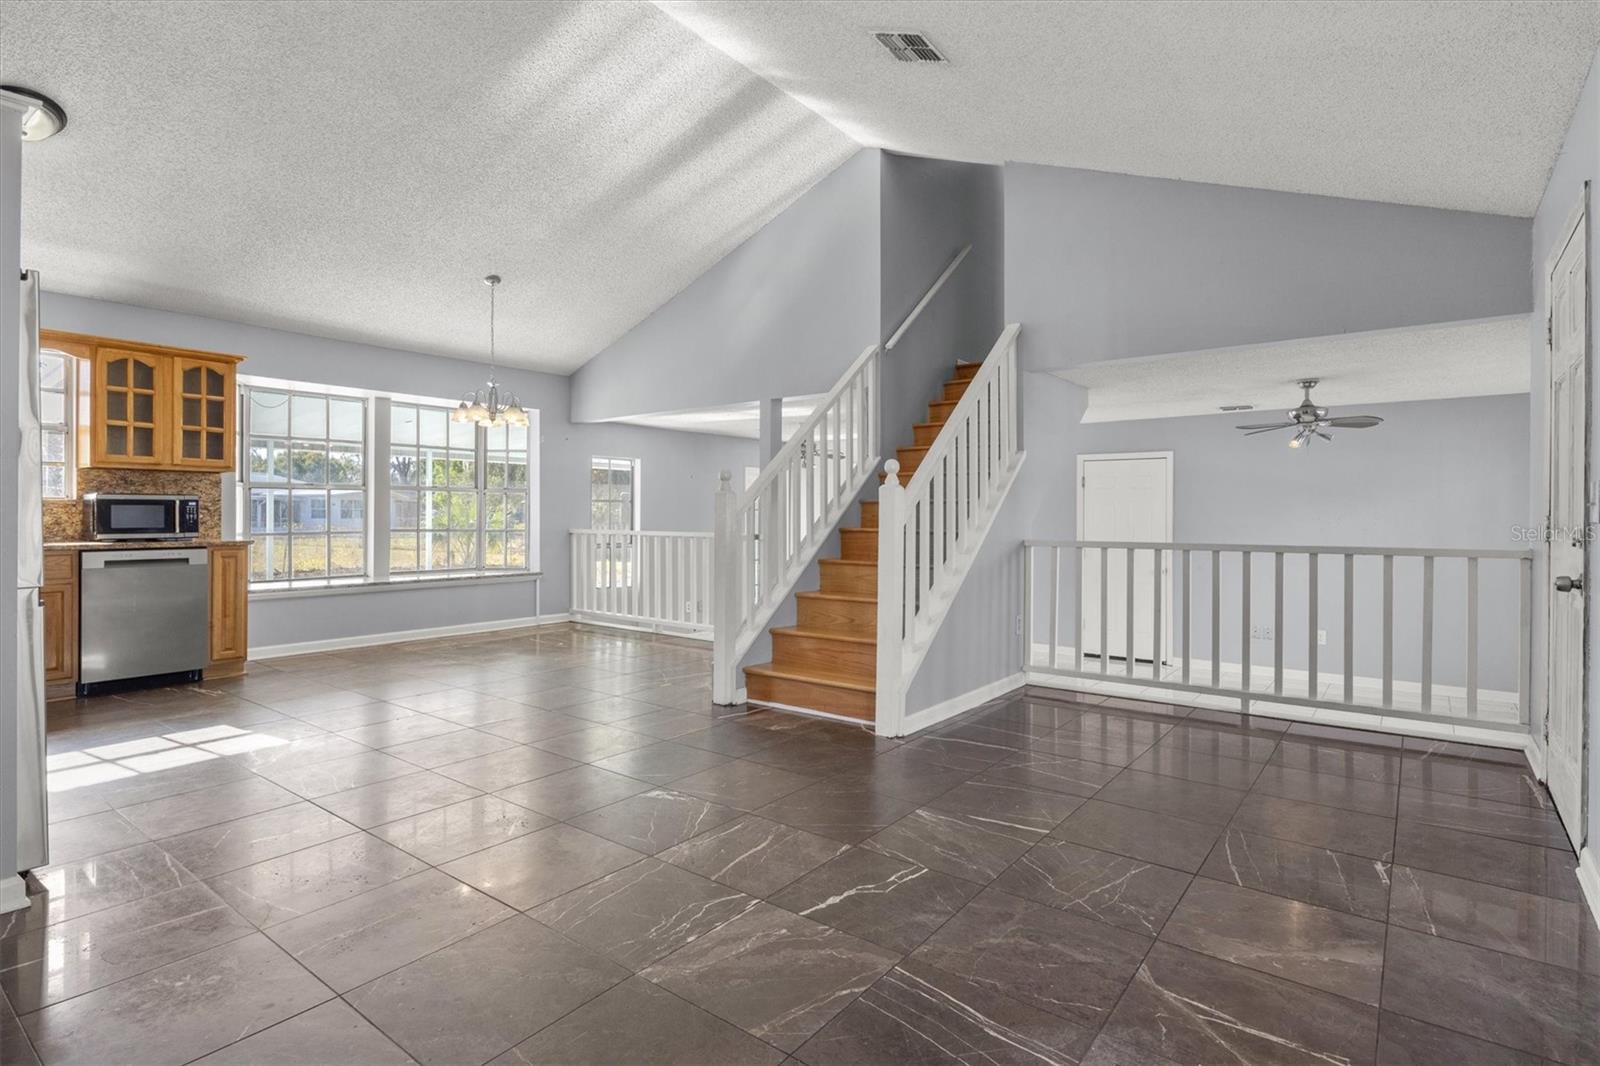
(151, 407)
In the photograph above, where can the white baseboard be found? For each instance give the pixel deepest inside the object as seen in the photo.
(13, 894)
(945, 709)
(370, 640)
(1589, 880)
(662, 629)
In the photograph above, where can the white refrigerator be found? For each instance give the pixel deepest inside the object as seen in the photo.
(33, 843)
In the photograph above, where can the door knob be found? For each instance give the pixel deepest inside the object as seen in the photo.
(1569, 584)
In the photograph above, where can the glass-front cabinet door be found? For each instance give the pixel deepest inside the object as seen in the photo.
(132, 392)
(203, 427)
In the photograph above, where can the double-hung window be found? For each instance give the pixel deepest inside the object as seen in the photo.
(458, 495)
(305, 486)
(55, 426)
(613, 485)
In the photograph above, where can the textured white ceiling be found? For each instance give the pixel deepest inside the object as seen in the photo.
(1484, 357)
(352, 169)
(1447, 104)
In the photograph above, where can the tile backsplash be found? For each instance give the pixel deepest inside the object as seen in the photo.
(63, 519)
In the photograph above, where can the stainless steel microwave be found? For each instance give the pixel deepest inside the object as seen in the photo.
(117, 517)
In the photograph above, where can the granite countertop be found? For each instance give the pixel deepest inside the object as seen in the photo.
(125, 545)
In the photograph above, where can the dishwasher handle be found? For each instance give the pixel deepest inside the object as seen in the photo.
(100, 560)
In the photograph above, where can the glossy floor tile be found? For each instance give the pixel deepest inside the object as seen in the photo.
(548, 846)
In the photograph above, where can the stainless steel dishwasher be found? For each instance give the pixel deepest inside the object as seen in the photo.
(143, 613)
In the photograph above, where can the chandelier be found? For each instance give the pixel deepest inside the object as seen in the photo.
(490, 405)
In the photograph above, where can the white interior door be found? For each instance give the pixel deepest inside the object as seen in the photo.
(1569, 429)
(1124, 498)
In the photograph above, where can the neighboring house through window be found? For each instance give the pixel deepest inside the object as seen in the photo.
(613, 493)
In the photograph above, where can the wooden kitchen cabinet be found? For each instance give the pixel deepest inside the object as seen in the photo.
(60, 598)
(151, 407)
(230, 621)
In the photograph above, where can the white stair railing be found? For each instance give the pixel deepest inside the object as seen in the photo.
(930, 529)
(767, 535)
(1194, 630)
(642, 578)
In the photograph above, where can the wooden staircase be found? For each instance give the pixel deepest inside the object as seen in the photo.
(828, 660)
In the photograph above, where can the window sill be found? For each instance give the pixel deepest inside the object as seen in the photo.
(392, 585)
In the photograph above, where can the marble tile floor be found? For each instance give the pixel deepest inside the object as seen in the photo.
(548, 846)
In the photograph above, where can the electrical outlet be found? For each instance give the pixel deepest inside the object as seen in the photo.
(1019, 625)
(1322, 636)
(1261, 632)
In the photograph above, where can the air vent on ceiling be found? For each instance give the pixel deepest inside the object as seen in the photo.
(1237, 407)
(910, 47)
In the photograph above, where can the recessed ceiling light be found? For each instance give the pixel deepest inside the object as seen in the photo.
(44, 117)
(1237, 407)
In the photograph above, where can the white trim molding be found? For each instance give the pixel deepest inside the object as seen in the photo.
(1589, 880)
(372, 640)
(916, 721)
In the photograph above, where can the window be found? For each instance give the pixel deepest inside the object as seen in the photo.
(305, 486)
(612, 493)
(458, 496)
(55, 429)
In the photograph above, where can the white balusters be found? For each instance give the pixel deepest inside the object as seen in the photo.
(765, 536)
(648, 579)
(1407, 678)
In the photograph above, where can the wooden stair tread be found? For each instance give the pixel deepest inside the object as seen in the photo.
(847, 562)
(811, 677)
(817, 594)
(824, 634)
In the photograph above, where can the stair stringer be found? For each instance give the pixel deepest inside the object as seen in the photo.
(959, 565)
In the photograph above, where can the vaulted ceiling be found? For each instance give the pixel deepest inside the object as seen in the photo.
(352, 169)
(1457, 103)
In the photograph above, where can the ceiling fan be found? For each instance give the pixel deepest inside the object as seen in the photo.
(1308, 421)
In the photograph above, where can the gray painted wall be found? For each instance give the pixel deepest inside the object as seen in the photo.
(1441, 473)
(1578, 162)
(678, 473)
(1103, 266)
(781, 315)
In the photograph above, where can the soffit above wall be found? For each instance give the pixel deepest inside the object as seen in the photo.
(1458, 104)
(1485, 357)
(733, 420)
(351, 170)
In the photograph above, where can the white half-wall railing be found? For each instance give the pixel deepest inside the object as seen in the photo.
(645, 579)
(768, 534)
(930, 529)
(1412, 629)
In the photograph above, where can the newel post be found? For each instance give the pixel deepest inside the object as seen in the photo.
(724, 593)
(890, 685)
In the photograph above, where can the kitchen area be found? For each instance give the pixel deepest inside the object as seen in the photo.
(139, 584)
(125, 579)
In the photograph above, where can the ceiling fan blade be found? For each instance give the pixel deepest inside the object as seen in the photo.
(1267, 429)
(1265, 426)
(1353, 422)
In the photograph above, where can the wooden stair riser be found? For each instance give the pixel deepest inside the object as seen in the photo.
(816, 696)
(802, 653)
(953, 390)
(940, 410)
(849, 578)
(967, 371)
(851, 617)
(910, 458)
(869, 514)
(923, 433)
(859, 544)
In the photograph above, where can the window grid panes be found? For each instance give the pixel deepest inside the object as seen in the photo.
(305, 486)
(55, 428)
(458, 496)
(612, 484)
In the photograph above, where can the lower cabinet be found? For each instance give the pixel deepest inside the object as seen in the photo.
(230, 617)
(59, 596)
